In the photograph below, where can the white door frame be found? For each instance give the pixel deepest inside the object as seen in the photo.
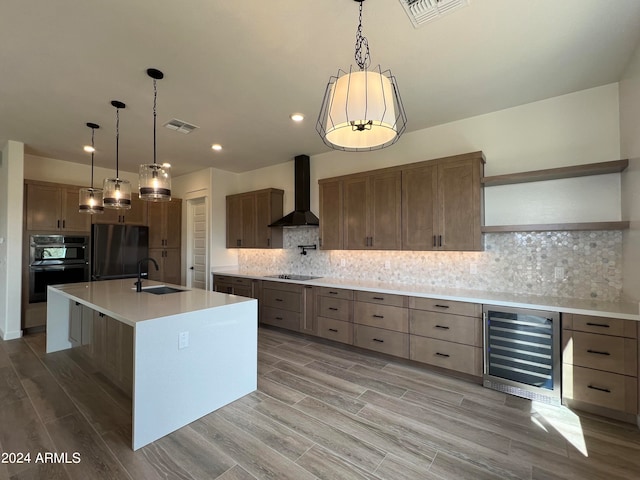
(191, 199)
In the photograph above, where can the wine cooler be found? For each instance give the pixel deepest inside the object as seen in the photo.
(522, 352)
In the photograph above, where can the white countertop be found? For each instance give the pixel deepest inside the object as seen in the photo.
(119, 299)
(622, 310)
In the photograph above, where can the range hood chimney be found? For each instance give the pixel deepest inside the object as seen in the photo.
(302, 216)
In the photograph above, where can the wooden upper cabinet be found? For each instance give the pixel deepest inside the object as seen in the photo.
(419, 207)
(165, 223)
(54, 207)
(249, 216)
(372, 212)
(431, 205)
(460, 204)
(331, 216)
(136, 215)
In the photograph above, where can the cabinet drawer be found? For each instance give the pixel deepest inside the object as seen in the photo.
(380, 340)
(382, 298)
(452, 328)
(382, 316)
(609, 390)
(335, 330)
(602, 352)
(337, 308)
(281, 318)
(446, 306)
(282, 299)
(283, 286)
(604, 325)
(335, 293)
(240, 281)
(453, 356)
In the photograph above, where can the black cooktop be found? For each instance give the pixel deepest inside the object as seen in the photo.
(292, 276)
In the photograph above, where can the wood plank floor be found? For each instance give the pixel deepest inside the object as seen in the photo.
(320, 411)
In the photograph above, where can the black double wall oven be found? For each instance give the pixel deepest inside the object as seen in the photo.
(54, 260)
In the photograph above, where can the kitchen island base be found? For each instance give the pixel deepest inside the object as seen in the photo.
(184, 365)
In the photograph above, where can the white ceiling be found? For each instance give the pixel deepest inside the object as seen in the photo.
(237, 69)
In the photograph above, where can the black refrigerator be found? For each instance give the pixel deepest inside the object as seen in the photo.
(116, 250)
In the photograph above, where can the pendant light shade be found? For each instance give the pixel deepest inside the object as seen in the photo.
(154, 180)
(90, 199)
(117, 192)
(362, 109)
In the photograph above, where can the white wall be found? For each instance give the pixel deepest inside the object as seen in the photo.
(11, 198)
(578, 128)
(630, 148)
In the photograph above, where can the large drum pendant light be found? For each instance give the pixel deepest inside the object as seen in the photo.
(90, 199)
(154, 179)
(117, 192)
(362, 109)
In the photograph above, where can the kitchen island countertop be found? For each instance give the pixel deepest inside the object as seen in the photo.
(623, 310)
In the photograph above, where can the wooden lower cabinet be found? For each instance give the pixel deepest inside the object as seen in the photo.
(169, 265)
(381, 340)
(600, 389)
(336, 330)
(449, 355)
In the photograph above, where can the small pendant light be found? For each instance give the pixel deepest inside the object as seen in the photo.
(117, 192)
(155, 180)
(90, 199)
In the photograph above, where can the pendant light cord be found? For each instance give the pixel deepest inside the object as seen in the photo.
(362, 56)
(155, 96)
(93, 131)
(117, 139)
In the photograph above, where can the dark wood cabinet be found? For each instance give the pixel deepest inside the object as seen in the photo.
(136, 215)
(165, 234)
(54, 207)
(331, 215)
(249, 215)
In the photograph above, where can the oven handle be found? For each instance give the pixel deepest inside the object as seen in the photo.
(57, 268)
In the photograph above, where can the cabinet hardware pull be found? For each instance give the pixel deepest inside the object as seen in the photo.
(100, 314)
(333, 308)
(441, 306)
(377, 316)
(378, 340)
(597, 352)
(439, 240)
(238, 242)
(442, 327)
(64, 222)
(333, 330)
(279, 318)
(442, 354)
(279, 300)
(603, 325)
(606, 390)
(58, 223)
(77, 303)
(378, 298)
(333, 293)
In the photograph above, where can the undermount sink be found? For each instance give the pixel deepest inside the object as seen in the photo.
(161, 290)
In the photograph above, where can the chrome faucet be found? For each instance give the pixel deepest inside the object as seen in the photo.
(138, 284)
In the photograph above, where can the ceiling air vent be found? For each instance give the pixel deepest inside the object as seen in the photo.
(180, 126)
(423, 11)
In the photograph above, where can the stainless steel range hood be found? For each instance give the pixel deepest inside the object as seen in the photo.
(302, 216)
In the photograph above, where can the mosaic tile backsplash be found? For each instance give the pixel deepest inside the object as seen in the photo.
(561, 264)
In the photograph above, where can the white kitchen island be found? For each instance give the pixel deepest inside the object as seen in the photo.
(193, 351)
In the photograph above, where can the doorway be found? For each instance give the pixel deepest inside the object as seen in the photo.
(197, 243)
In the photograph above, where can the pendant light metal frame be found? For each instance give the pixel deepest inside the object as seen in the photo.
(154, 180)
(361, 109)
(90, 199)
(117, 191)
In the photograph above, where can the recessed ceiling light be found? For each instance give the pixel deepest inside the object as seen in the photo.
(217, 147)
(297, 117)
(89, 149)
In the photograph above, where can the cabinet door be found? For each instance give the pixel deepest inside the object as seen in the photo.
(460, 205)
(356, 213)
(75, 323)
(158, 255)
(234, 221)
(419, 212)
(385, 210)
(171, 266)
(331, 216)
(308, 321)
(173, 223)
(248, 219)
(43, 207)
(155, 213)
(263, 220)
(110, 215)
(72, 219)
(137, 214)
